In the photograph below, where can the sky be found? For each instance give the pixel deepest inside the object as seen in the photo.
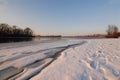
(61, 17)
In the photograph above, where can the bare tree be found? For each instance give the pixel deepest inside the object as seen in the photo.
(28, 31)
(112, 30)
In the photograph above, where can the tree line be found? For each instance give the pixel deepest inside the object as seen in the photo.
(113, 31)
(14, 31)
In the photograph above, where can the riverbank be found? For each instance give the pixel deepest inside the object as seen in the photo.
(64, 59)
(95, 60)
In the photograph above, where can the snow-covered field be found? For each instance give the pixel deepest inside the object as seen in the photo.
(64, 59)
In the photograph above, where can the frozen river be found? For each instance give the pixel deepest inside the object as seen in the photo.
(61, 59)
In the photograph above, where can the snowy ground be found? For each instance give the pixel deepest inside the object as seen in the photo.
(65, 59)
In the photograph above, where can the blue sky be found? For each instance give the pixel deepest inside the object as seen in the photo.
(66, 17)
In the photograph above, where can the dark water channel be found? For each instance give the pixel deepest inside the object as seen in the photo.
(22, 39)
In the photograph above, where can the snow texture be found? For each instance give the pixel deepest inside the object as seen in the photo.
(64, 59)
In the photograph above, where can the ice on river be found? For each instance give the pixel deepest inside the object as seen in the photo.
(65, 59)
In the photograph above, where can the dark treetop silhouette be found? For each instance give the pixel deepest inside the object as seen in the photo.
(14, 31)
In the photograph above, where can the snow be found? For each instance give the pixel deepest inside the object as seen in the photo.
(95, 60)
(77, 59)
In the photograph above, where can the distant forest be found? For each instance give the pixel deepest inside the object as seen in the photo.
(14, 31)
